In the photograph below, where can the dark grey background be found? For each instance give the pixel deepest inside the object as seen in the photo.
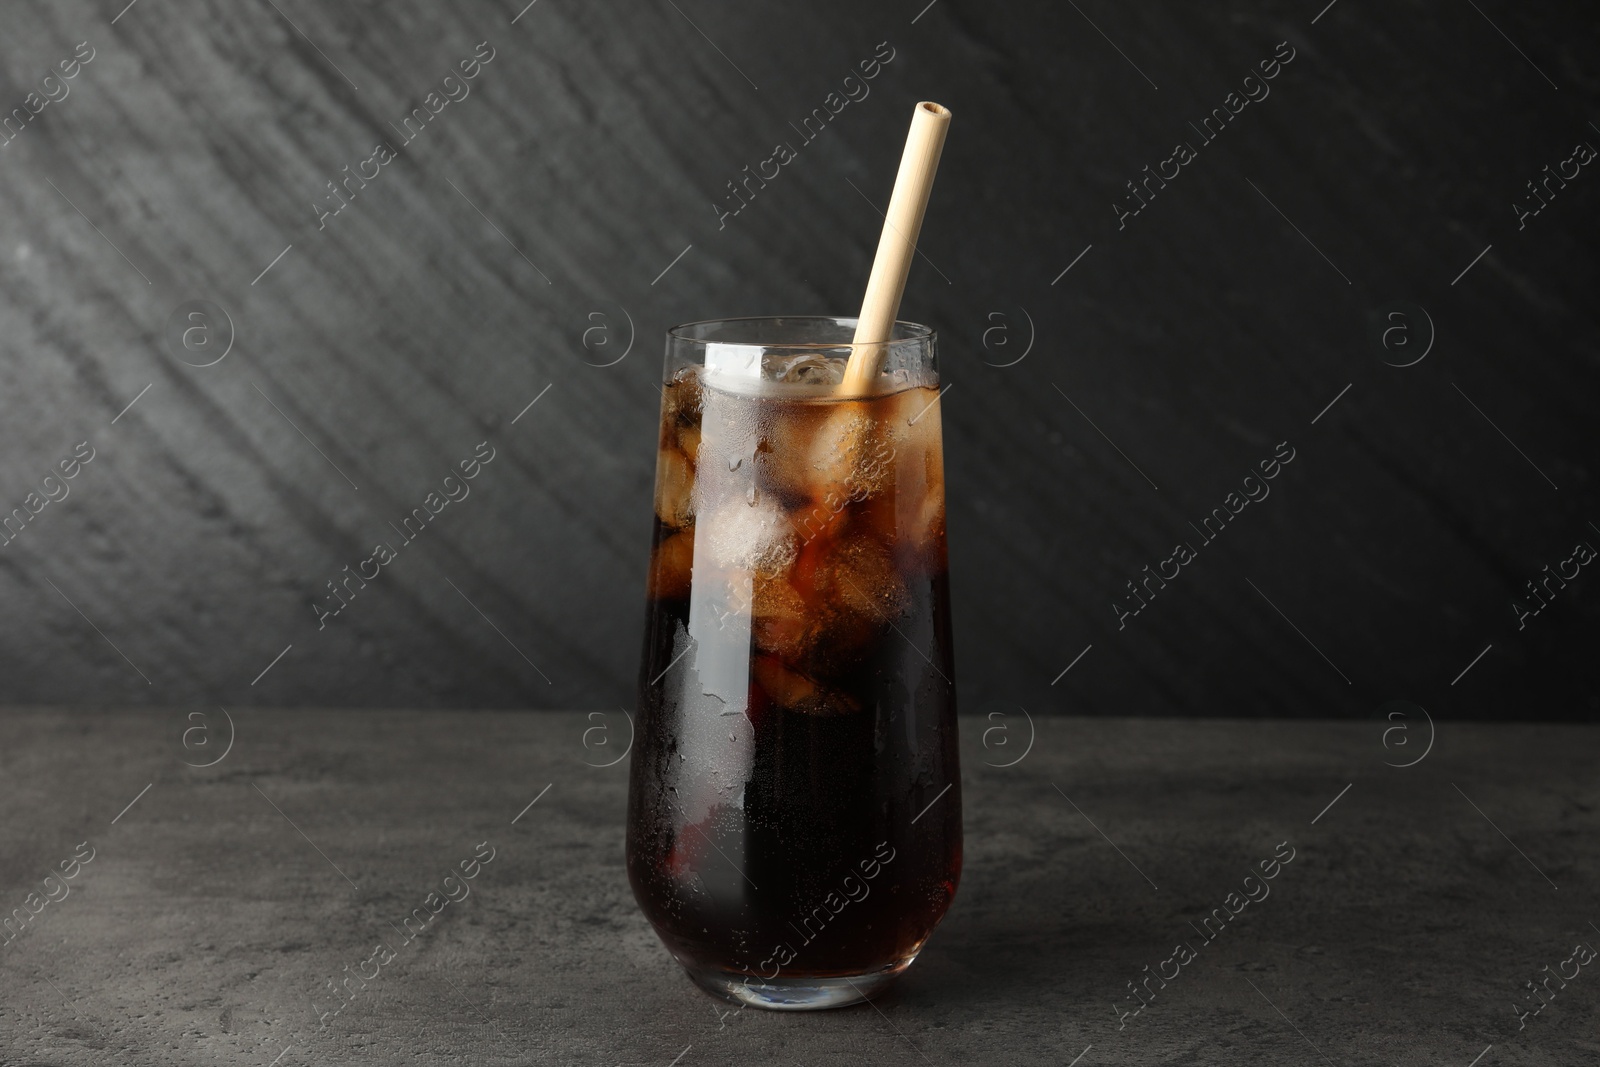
(589, 154)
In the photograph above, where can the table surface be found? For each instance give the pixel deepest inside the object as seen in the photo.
(219, 906)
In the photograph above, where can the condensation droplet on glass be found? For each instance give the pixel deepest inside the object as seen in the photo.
(734, 463)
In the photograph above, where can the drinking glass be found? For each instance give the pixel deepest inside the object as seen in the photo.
(794, 806)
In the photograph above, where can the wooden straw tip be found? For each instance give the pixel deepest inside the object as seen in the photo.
(937, 109)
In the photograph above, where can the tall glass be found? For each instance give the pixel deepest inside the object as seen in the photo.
(794, 811)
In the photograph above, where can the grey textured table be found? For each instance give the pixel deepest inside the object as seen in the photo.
(219, 907)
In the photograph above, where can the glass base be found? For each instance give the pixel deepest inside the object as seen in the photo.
(797, 994)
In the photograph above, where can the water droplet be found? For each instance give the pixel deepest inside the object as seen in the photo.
(750, 496)
(734, 463)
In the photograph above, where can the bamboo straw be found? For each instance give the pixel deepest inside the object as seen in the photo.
(898, 242)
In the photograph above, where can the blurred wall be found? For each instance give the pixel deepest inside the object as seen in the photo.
(1168, 243)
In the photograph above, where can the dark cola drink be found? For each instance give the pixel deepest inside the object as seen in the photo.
(794, 823)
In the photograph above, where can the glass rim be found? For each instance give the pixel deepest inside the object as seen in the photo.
(915, 332)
